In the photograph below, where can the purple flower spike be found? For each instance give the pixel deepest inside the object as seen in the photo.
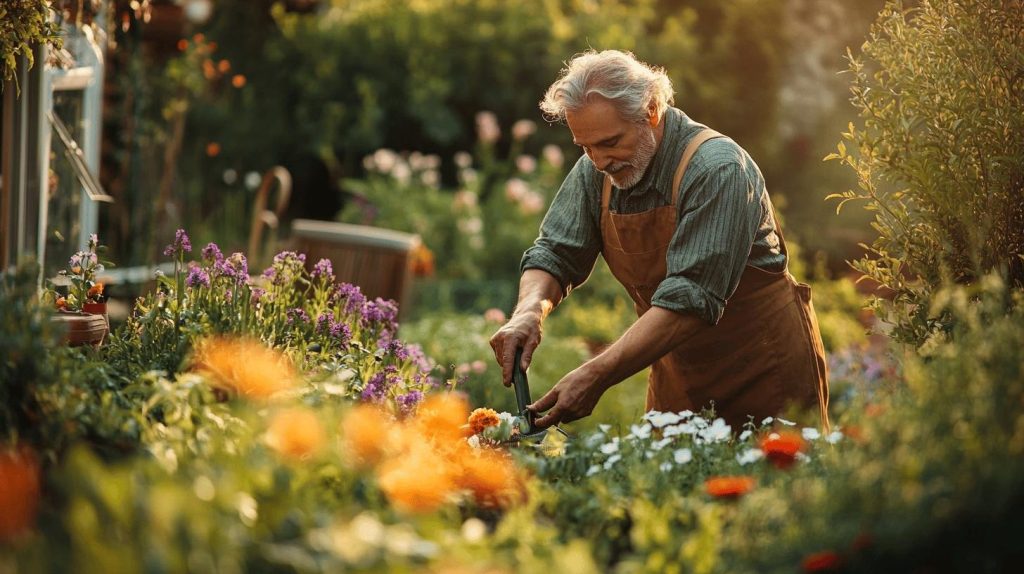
(375, 388)
(212, 254)
(297, 315)
(323, 269)
(408, 401)
(197, 277)
(181, 244)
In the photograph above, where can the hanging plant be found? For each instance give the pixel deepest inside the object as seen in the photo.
(23, 25)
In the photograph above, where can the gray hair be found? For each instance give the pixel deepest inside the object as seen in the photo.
(628, 83)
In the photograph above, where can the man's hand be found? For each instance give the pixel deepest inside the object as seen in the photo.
(572, 398)
(523, 330)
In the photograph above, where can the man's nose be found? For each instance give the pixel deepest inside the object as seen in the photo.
(601, 161)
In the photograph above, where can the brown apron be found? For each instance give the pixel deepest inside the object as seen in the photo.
(766, 352)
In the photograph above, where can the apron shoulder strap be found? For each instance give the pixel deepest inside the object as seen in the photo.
(691, 148)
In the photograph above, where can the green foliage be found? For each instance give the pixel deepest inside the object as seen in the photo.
(24, 24)
(940, 150)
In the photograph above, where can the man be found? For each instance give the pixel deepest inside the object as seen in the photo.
(681, 215)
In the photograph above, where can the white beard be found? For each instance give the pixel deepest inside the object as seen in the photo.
(630, 173)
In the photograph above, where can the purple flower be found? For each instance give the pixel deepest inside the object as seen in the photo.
(286, 257)
(297, 314)
(409, 400)
(180, 245)
(269, 272)
(418, 357)
(375, 388)
(235, 267)
(212, 254)
(351, 294)
(256, 295)
(197, 277)
(380, 311)
(323, 269)
(341, 331)
(384, 339)
(323, 322)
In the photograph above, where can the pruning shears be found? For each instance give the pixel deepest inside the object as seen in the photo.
(522, 388)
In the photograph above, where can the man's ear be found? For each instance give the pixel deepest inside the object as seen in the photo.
(652, 114)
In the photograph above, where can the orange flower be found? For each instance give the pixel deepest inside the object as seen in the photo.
(96, 290)
(417, 482)
(19, 491)
(481, 419)
(729, 486)
(296, 433)
(212, 149)
(492, 478)
(781, 448)
(182, 45)
(244, 366)
(826, 561)
(874, 409)
(209, 70)
(238, 81)
(365, 432)
(198, 38)
(223, 66)
(441, 416)
(61, 303)
(422, 261)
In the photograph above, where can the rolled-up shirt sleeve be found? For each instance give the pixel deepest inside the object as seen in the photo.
(709, 250)
(570, 235)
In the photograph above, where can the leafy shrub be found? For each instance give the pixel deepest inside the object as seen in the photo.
(939, 151)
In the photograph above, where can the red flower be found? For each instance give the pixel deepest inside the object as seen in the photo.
(781, 448)
(825, 561)
(729, 486)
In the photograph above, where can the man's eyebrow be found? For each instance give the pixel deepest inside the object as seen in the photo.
(606, 141)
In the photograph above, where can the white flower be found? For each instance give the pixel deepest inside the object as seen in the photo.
(469, 175)
(604, 428)
(810, 433)
(474, 530)
(611, 447)
(385, 160)
(611, 461)
(834, 437)
(665, 466)
(785, 422)
(594, 469)
(523, 129)
(487, 129)
(745, 435)
(641, 431)
(230, 176)
(401, 172)
(682, 428)
(474, 441)
(766, 421)
(464, 199)
(526, 164)
(471, 225)
(553, 155)
(515, 189)
(463, 159)
(802, 457)
(660, 419)
(717, 432)
(430, 178)
(682, 456)
(531, 203)
(748, 456)
(660, 444)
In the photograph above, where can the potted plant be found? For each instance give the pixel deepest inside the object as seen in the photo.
(83, 309)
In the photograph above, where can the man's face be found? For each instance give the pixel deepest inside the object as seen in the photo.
(618, 147)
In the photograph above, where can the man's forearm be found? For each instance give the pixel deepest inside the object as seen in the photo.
(653, 335)
(539, 292)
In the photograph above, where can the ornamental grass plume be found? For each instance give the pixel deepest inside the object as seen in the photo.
(296, 433)
(245, 367)
(481, 419)
(781, 448)
(19, 491)
(729, 486)
(365, 433)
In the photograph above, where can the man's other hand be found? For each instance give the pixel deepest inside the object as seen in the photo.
(523, 330)
(572, 398)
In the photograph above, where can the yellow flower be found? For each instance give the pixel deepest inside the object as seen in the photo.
(441, 416)
(296, 433)
(245, 367)
(491, 477)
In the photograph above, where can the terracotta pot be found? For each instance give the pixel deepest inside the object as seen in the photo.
(81, 328)
(97, 309)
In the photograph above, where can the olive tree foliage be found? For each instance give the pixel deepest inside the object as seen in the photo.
(939, 151)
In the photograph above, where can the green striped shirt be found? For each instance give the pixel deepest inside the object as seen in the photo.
(725, 221)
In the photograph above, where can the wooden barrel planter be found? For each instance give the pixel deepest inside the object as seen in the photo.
(81, 328)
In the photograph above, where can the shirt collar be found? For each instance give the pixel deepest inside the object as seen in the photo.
(675, 123)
